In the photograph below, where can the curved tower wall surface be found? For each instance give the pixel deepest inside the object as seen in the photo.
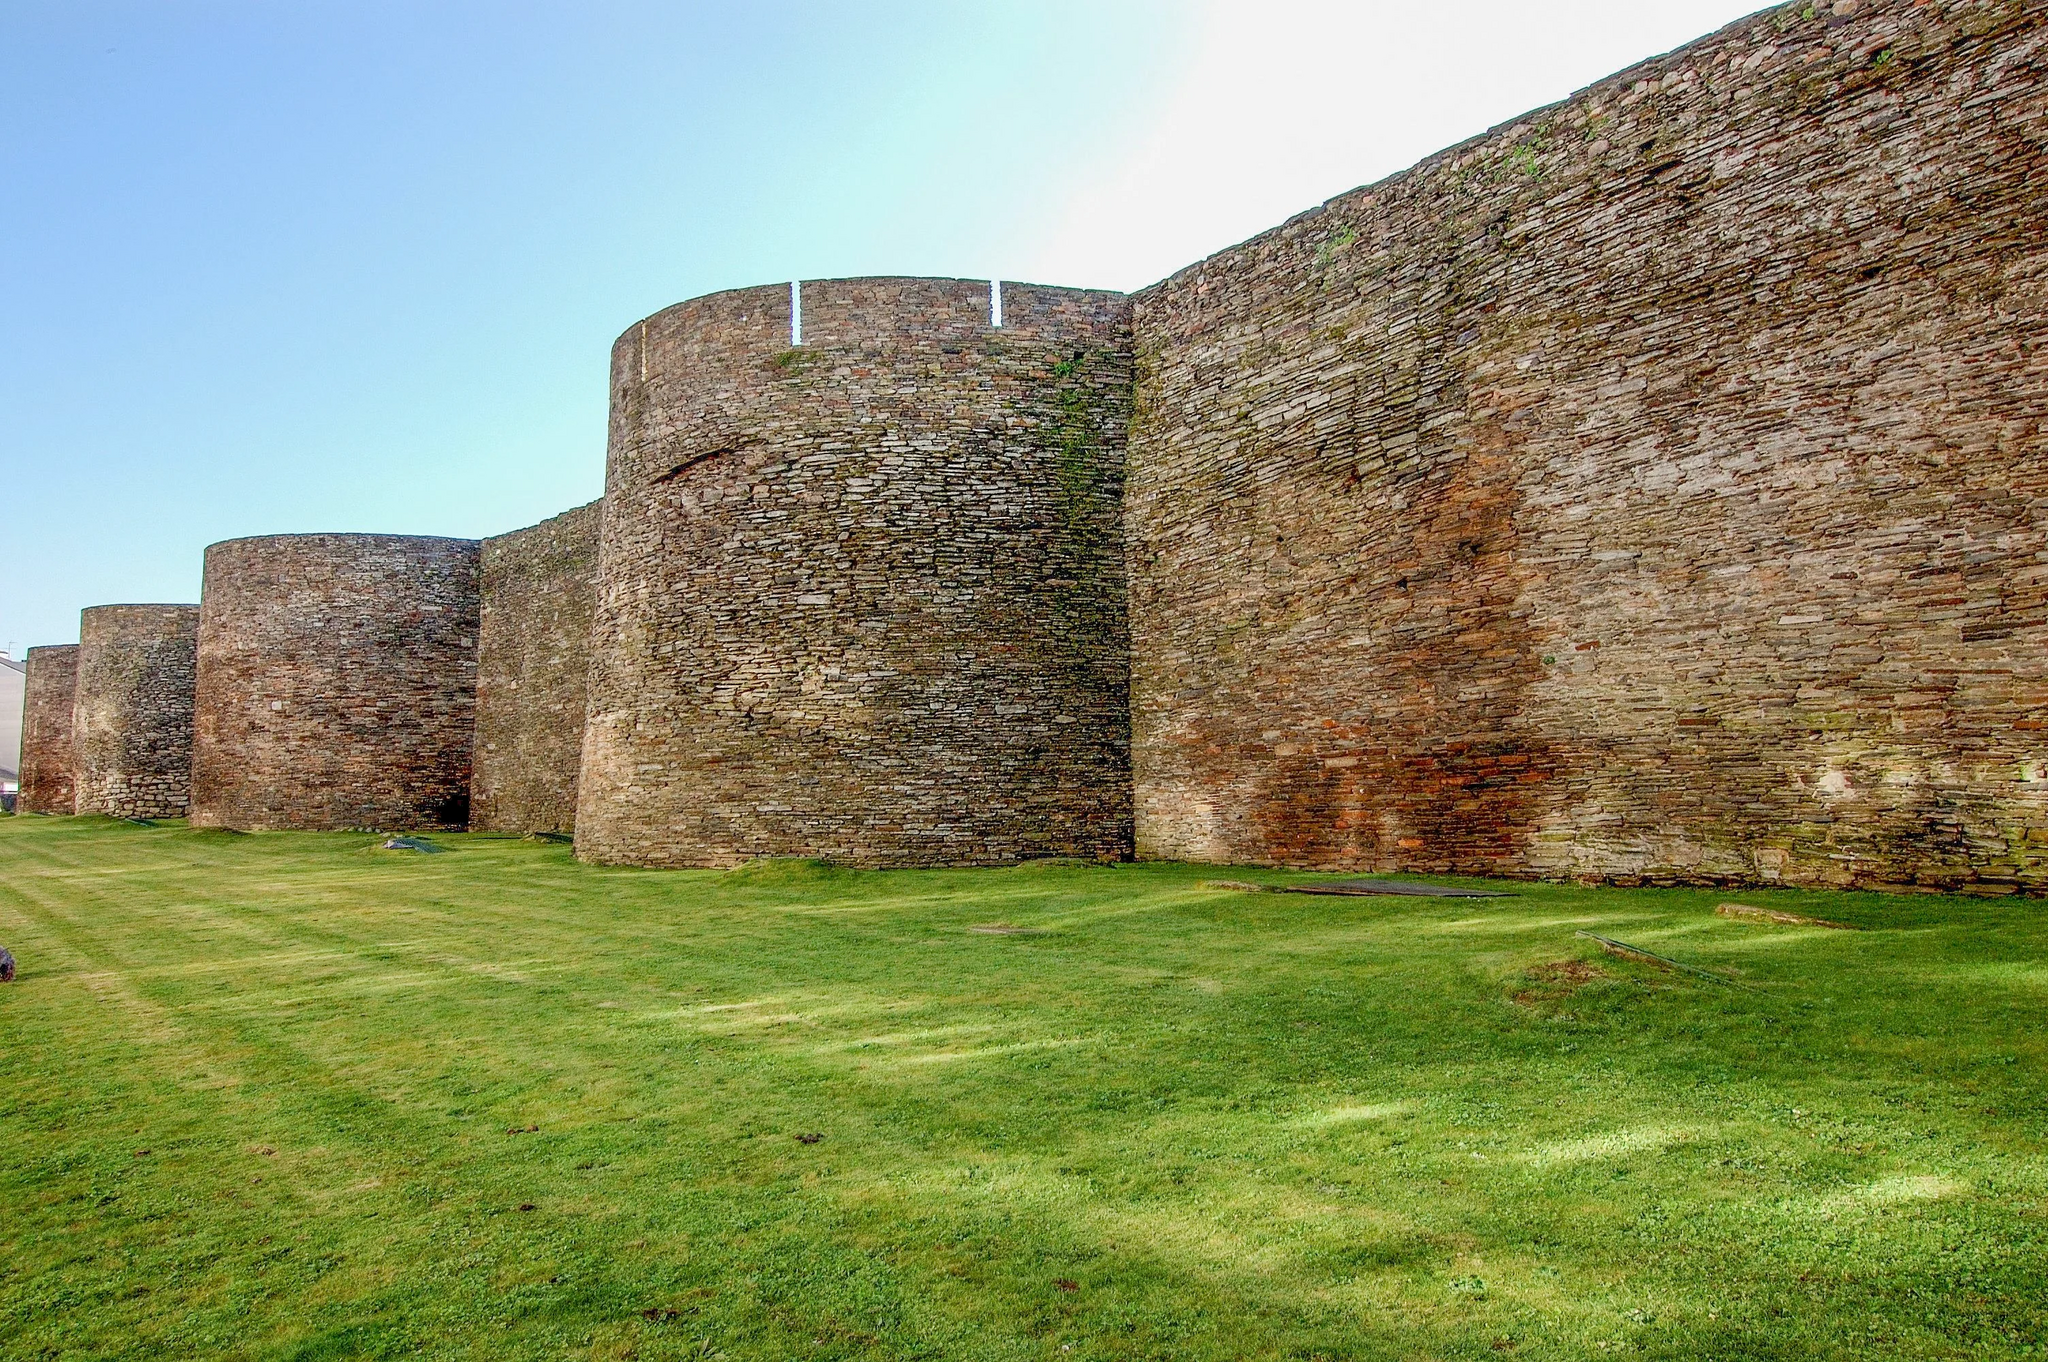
(533, 671)
(1650, 489)
(50, 692)
(337, 683)
(132, 714)
(863, 597)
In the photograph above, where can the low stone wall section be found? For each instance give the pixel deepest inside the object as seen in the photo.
(132, 710)
(47, 758)
(863, 597)
(1655, 488)
(539, 587)
(337, 683)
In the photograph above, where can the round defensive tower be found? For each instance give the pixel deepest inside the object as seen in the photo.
(337, 683)
(50, 695)
(131, 730)
(861, 589)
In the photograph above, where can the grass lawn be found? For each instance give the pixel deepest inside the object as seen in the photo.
(287, 1096)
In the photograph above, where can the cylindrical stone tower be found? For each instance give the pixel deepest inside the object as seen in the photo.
(861, 592)
(337, 683)
(132, 717)
(47, 758)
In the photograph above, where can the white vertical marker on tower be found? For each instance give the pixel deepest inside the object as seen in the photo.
(796, 312)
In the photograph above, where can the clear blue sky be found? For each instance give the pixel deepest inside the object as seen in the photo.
(357, 265)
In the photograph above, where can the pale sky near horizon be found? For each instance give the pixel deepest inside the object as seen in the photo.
(357, 264)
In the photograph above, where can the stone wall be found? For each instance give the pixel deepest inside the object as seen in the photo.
(47, 758)
(132, 713)
(539, 586)
(1655, 488)
(337, 683)
(863, 598)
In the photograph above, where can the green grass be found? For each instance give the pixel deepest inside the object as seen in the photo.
(256, 1095)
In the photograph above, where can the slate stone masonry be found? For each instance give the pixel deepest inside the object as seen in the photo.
(337, 683)
(131, 728)
(539, 587)
(863, 598)
(1652, 489)
(50, 692)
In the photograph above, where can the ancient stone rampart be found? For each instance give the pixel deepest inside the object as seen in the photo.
(132, 713)
(47, 759)
(337, 682)
(539, 587)
(863, 597)
(1654, 488)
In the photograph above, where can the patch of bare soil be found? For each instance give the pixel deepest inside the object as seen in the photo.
(1557, 981)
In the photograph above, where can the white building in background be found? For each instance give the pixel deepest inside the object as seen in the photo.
(13, 686)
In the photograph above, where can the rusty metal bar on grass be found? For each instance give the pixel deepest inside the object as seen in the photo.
(1628, 952)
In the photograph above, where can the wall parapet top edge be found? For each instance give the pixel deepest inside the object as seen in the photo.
(342, 536)
(874, 297)
(1613, 85)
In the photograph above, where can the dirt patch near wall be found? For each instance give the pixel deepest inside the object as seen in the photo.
(1556, 981)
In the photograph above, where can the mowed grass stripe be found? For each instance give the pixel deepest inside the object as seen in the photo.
(1236, 1125)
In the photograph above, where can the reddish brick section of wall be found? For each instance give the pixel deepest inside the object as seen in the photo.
(1653, 489)
(337, 683)
(51, 690)
(863, 598)
(533, 671)
(132, 716)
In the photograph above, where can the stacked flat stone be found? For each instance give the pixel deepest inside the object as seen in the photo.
(132, 716)
(337, 683)
(1652, 489)
(1655, 488)
(539, 586)
(47, 760)
(863, 597)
